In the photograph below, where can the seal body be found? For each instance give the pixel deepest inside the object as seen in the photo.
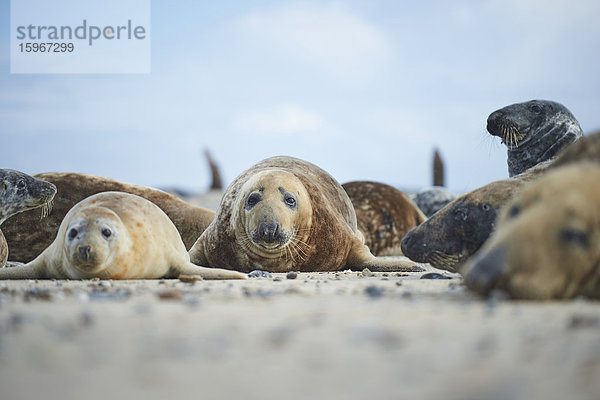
(458, 230)
(27, 236)
(114, 235)
(533, 131)
(547, 245)
(432, 199)
(384, 215)
(285, 214)
(20, 192)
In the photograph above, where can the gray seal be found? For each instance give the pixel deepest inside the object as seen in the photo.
(533, 132)
(432, 199)
(20, 192)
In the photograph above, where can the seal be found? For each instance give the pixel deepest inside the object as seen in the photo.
(533, 131)
(547, 245)
(27, 236)
(114, 235)
(458, 230)
(20, 192)
(585, 149)
(432, 199)
(384, 215)
(285, 214)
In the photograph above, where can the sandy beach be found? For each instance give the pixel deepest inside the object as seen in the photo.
(345, 335)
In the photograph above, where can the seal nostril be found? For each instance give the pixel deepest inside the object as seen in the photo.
(84, 251)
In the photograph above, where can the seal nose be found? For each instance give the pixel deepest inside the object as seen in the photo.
(84, 252)
(410, 246)
(483, 276)
(268, 232)
(493, 122)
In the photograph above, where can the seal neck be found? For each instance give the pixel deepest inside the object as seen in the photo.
(547, 143)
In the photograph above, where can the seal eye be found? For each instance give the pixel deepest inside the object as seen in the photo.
(486, 207)
(460, 215)
(73, 233)
(536, 109)
(21, 184)
(575, 237)
(514, 211)
(106, 233)
(289, 200)
(252, 200)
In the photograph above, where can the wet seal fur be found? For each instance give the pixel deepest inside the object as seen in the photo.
(115, 235)
(384, 215)
(458, 230)
(20, 192)
(547, 245)
(533, 131)
(285, 214)
(432, 199)
(27, 236)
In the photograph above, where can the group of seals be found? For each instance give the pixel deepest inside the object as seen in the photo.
(285, 214)
(115, 235)
(547, 245)
(533, 131)
(20, 192)
(384, 215)
(27, 236)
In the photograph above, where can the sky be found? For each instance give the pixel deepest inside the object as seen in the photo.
(364, 89)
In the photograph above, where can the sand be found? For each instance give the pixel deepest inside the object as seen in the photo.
(345, 335)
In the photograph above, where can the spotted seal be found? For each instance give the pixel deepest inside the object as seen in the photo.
(285, 214)
(432, 199)
(27, 236)
(384, 215)
(533, 131)
(115, 235)
(20, 192)
(547, 245)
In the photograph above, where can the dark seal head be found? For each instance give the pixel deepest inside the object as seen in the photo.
(547, 245)
(458, 230)
(533, 131)
(20, 192)
(384, 215)
(285, 214)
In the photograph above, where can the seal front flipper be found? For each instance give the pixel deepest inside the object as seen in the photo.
(206, 273)
(33, 270)
(360, 258)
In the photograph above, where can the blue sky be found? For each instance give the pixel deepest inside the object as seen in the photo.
(366, 90)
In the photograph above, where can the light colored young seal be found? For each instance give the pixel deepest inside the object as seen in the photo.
(285, 214)
(458, 230)
(547, 245)
(114, 235)
(533, 131)
(20, 192)
(384, 215)
(27, 236)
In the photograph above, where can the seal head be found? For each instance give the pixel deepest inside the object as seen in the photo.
(20, 192)
(547, 245)
(533, 131)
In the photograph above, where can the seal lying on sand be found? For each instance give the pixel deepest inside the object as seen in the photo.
(533, 131)
(114, 235)
(285, 214)
(384, 215)
(547, 245)
(27, 236)
(432, 199)
(20, 192)
(458, 230)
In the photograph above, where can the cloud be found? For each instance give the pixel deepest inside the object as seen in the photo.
(281, 120)
(328, 36)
